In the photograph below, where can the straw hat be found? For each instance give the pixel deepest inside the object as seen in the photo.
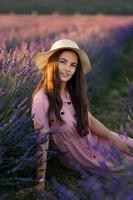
(41, 59)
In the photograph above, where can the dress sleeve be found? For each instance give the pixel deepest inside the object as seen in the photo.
(39, 111)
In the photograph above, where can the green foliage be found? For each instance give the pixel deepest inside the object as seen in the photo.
(65, 7)
(105, 106)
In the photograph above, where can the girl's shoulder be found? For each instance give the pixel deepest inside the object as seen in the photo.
(41, 96)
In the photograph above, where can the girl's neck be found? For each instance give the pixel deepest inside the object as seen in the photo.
(63, 92)
(63, 89)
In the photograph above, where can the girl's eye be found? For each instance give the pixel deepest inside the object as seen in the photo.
(74, 66)
(61, 61)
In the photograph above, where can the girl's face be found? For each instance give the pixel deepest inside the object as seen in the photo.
(67, 65)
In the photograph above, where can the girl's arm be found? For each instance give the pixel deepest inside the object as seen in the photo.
(41, 169)
(39, 110)
(99, 129)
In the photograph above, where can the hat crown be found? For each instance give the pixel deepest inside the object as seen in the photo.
(42, 58)
(64, 43)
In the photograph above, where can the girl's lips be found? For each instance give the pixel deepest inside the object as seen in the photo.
(65, 75)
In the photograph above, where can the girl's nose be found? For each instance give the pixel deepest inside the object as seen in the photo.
(68, 67)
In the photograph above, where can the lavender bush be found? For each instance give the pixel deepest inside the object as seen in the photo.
(18, 139)
(126, 104)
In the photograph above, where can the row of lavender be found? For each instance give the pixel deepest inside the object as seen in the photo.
(18, 77)
(103, 38)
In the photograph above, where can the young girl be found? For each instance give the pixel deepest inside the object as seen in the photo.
(60, 103)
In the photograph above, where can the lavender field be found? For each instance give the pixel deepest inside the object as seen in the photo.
(108, 40)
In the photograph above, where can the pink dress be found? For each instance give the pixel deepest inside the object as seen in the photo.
(88, 151)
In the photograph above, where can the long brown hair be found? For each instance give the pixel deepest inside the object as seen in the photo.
(76, 87)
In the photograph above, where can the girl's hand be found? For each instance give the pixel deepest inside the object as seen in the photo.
(39, 186)
(121, 144)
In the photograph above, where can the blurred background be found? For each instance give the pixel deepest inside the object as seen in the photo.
(113, 7)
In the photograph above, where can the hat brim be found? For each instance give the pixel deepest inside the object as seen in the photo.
(41, 59)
